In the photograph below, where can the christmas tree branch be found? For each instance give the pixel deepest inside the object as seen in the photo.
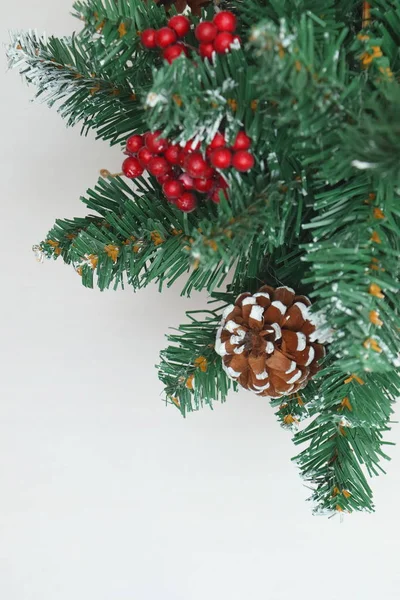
(72, 73)
(248, 228)
(190, 369)
(295, 408)
(212, 240)
(353, 257)
(137, 237)
(328, 15)
(122, 19)
(316, 101)
(204, 97)
(346, 434)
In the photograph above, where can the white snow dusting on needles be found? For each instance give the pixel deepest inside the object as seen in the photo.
(153, 99)
(359, 164)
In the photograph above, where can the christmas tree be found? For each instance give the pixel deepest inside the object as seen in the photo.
(260, 156)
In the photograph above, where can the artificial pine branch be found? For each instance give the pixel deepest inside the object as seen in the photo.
(72, 74)
(314, 85)
(190, 370)
(352, 414)
(203, 96)
(353, 258)
(107, 17)
(328, 15)
(134, 239)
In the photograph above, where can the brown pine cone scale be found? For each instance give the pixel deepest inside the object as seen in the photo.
(266, 341)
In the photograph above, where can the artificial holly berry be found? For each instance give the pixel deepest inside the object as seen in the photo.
(165, 37)
(243, 161)
(132, 168)
(223, 42)
(172, 52)
(187, 202)
(221, 183)
(203, 185)
(206, 50)
(205, 32)
(195, 164)
(155, 143)
(218, 141)
(164, 178)
(225, 21)
(242, 141)
(148, 38)
(186, 180)
(182, 157)
(180, 24)
(134, 143)
(221, 158)
(158, 166)
(173, 189)
(144, 155)
(172, 154)
(209, 172)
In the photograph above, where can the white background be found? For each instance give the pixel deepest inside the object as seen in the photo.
(106, 494)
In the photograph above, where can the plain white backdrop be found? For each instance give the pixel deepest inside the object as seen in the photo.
(106, 494)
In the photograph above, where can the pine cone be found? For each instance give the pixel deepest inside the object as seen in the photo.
(265, 341)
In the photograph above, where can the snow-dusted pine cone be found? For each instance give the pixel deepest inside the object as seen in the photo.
(266, 341)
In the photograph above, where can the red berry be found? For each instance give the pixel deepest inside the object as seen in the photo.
(206, 50)
(163, 178)
(195, 164)
(205, 32)
(148, 38)
(186, 180)
(131, 167)
(181, 158)
(203, 185)
(165, 37)
(242, 141)
(172, 52)
(218, 141)
(144, 155)
(187, 202)
(173, 189)
(134, 143)
(172, 154)
(221, 158)
(180, 24)
(209, 172)
(225, 21)
(155, 143)
(221, 182)
(243, 160)
(158, 166)
(215, 196)
(223, 42)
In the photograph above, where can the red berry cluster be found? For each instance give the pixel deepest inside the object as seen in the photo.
(183, 171)
(216, 35)
(237, 156)
(166, 38)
